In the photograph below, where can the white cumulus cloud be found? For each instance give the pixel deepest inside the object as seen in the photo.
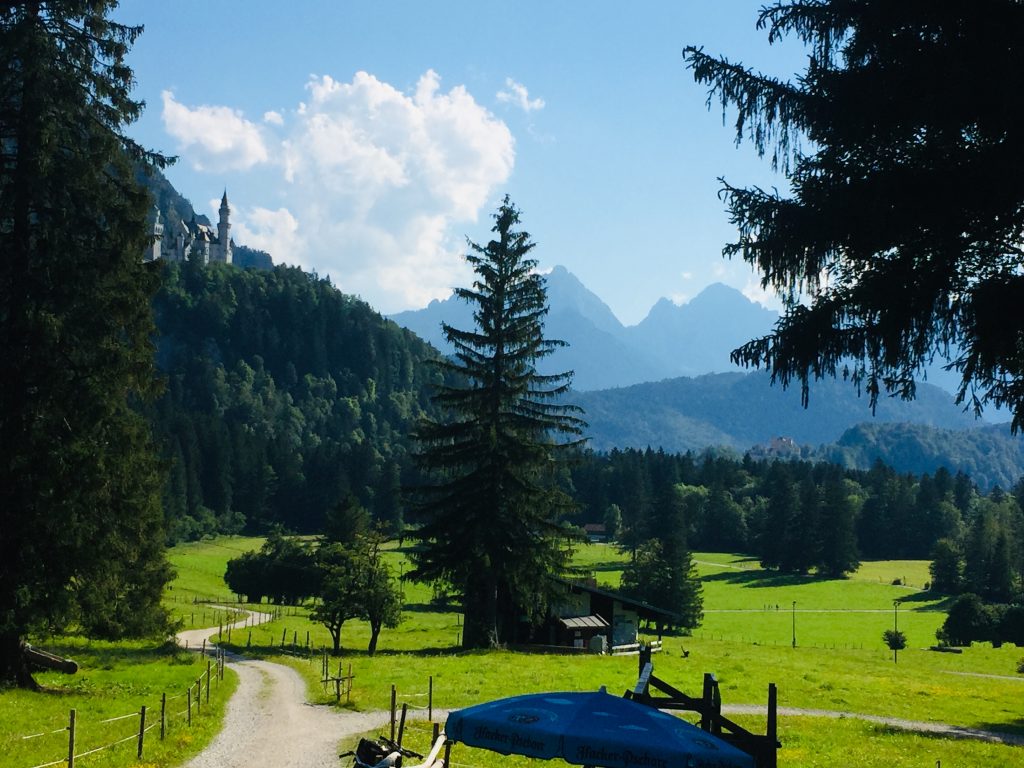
(518, 95)
(213, 138)
(276, 232)
(273, 118)
(369, 184)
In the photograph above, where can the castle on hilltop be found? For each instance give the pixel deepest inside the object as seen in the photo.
(194, 240)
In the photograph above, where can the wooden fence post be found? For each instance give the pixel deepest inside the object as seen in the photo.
(142, 728)
(199, 694)
(430, 699)
(209, 665)
(401, 725)
(188, 693)
(163, 716)
(348, 690)
(437, 732)
(393, 706)
(71, 739)
(705, 715)
(773, 727)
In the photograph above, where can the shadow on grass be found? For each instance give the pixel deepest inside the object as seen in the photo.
(935, 602)
(1012, 728)
(263, 652)
(762, 578)
(431, 608)
(1013, 732)
(606, 567)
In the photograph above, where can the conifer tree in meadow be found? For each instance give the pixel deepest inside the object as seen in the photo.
(492, 515)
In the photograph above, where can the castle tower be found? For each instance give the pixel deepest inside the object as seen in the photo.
(155, 250)
(224, 231)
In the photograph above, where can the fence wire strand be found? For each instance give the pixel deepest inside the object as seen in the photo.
(115, 719)
(106, 746)
(46, 733)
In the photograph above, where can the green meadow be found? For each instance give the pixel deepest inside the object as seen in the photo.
(839, 664)
(114, 681)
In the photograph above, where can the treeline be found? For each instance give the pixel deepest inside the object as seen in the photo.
(283, 396)
(797, 515)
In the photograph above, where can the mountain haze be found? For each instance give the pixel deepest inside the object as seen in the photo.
(741, 410)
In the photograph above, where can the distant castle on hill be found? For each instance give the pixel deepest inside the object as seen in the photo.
(194, 240)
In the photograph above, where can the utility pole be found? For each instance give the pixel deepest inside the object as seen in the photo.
(895, 628)
(794, 623)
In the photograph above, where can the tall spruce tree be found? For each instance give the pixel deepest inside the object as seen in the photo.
(492, 525)
(80, 521)
(900, 238)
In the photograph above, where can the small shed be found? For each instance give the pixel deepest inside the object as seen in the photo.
(587, 617)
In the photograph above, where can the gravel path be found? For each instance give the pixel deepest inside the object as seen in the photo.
(268, 722)
(955, 731)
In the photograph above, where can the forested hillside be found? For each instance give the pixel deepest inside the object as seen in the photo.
(740, 410)
(989, 454)
(282, 396)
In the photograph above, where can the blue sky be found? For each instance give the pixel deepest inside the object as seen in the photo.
(366, 140)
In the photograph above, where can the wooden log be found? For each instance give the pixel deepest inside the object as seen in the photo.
(37, 657)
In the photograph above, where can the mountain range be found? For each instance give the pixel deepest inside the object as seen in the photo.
(673, 340)
(668, 383)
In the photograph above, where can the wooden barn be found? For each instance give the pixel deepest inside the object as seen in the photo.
(588, 618)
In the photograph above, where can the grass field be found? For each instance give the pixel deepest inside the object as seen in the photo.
(114, 680)
(744, 640)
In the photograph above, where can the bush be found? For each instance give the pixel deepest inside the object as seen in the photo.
(969, 619)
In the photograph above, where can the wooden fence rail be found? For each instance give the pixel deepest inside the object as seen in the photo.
(214, 674)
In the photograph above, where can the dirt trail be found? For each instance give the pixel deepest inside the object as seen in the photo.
(268, 722)
(955, 731)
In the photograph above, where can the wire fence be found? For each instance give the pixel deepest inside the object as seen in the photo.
(78, 731)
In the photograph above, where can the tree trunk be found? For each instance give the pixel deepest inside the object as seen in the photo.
(336, 638)
(13, 668)
(374, 632)
(480, 609)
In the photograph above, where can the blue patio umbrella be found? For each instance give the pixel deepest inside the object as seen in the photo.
(591, 728)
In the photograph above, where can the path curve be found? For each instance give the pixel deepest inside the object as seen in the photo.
(268, 723)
